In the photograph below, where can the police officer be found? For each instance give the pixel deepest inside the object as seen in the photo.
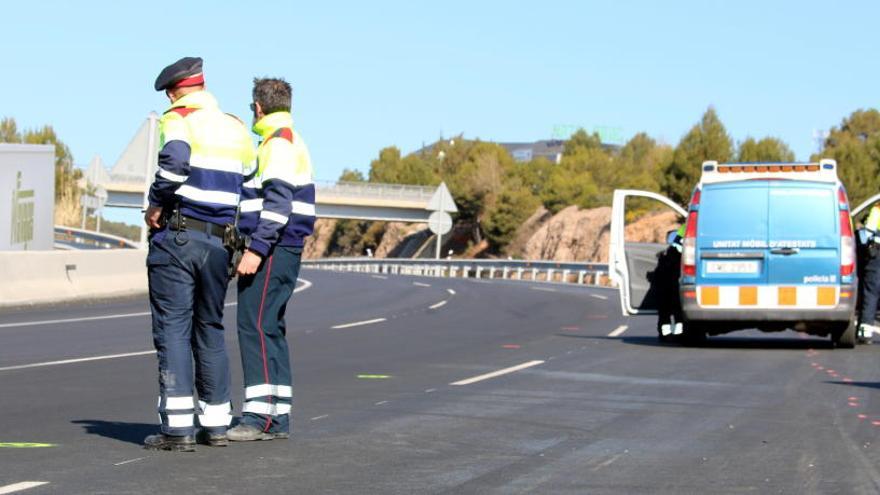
(871, 277)
(203, 156)
(278, 212)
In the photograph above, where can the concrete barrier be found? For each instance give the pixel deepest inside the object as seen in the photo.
(48, 277)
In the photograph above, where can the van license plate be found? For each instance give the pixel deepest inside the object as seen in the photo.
(732, 267)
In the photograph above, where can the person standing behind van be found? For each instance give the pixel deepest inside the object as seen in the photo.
(871, 282)
(669, 314)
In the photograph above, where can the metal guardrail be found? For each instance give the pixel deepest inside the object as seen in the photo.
(538, 271)
(376, 190)
(73, 238)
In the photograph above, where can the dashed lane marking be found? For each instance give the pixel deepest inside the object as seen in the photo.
(438, 305)
(545, 289)
(617, 332)
(419, 284)
(359, 323)
(598, 296)
(129, 461)
(380, 277)
(450, 291)
(24, 485)
(494, 374)
(317, 418)
(381, 402)
(78, 360)
(374, 377)
(304, 284)
(428, 391)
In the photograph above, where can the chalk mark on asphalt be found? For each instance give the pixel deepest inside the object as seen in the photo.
(495, 374)
(305, 284)
(359, 323)
(24, 485)
(617, 332)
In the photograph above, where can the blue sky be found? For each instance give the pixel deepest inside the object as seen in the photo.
(372, 74)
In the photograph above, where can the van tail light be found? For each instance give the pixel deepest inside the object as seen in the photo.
(689, 246)
(847, 245)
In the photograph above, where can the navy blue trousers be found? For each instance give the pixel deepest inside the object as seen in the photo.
(262, 337)
(188, 282)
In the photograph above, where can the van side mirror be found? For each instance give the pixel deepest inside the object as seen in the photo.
(863, 236)
(670, 236)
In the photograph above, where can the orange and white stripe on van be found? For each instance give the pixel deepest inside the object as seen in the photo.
(768, 296)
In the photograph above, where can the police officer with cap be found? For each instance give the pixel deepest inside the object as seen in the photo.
(204, 154)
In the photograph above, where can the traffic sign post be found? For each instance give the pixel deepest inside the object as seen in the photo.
(440, 222)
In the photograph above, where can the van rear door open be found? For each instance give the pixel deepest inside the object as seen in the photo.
(632, 264)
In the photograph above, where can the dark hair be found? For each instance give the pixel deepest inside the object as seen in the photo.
(272, 94)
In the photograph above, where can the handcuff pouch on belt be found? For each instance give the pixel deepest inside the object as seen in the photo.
(236, 243)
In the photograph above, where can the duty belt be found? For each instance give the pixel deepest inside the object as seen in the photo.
(183, 222)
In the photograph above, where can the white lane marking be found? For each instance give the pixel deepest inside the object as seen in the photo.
(71, 320)
(505, 371)
(430, 390)
(316, 418)
(305, 285)
(129, 461)
(597, 296)
(380, 277)
(359, 323)
(439, 304)
(545, 289)
(78, 360)
(618, 331)
(450, 291)
(382, 402)
(421, 284)
(24, 485)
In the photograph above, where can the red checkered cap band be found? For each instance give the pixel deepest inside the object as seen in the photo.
(195, 80)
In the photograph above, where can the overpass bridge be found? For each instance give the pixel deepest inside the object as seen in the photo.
(128, 181)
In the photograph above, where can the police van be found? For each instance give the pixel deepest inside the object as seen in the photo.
(766, 246)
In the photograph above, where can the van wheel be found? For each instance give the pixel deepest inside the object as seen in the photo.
(846, 338)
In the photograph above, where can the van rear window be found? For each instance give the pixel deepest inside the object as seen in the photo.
(802, 212)
(734, 211)
(784, 210)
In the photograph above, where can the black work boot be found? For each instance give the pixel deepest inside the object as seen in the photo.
(249, 433)
(161, 441)
(206, 437)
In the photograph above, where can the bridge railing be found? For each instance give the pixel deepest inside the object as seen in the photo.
(538, 271)
(375, 190)
(74, 238)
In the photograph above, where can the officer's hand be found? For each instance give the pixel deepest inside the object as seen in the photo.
(153, 217)
(249, 264)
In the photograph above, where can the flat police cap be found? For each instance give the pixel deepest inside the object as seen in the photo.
(185, 72)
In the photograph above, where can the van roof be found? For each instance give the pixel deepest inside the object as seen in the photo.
(823, 171)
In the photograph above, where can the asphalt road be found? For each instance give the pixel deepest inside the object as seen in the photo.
(594, 405)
